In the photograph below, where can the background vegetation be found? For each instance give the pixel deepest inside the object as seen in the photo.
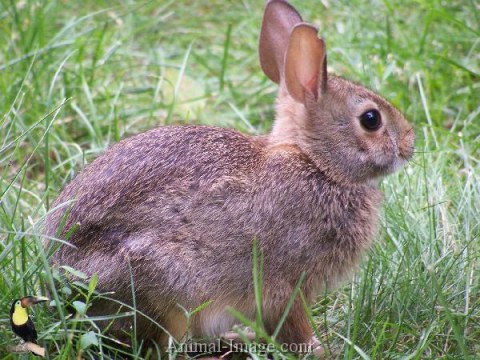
(77, 76)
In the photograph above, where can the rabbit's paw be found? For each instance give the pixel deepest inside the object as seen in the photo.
(316, 349)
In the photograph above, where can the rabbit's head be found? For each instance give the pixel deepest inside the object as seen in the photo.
(349, 131)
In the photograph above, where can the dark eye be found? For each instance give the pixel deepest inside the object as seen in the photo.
(371, 120)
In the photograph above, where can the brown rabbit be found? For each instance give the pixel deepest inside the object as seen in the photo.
(183, 204)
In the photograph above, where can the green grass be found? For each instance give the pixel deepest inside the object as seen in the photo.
(77, 76)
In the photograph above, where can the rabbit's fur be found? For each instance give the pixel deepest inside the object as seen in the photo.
(183, 204)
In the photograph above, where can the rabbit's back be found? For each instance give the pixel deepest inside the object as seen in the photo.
(169, 160)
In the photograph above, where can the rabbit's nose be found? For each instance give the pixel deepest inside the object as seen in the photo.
(406, 147)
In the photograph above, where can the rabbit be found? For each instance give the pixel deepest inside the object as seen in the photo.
(179, 207)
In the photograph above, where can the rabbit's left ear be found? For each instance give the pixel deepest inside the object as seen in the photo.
(305, 63)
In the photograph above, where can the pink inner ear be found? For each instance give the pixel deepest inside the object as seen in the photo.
(312, 86)
(304, 62)
(310, 61)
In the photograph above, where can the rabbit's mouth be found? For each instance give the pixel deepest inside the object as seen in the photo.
(385, 169)
(399, 162)
(403, 152)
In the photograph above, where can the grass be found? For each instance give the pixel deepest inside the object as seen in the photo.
(77, 76)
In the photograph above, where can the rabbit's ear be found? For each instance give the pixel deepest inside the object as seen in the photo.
(305, 63)
(278, 21)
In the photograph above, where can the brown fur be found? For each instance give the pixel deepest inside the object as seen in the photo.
(183, 204)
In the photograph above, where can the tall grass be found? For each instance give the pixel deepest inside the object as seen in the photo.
(77, 76)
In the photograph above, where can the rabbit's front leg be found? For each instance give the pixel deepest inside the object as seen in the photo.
(296, 333)
(296, 329)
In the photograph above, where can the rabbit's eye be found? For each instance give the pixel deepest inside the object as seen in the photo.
(371, 120)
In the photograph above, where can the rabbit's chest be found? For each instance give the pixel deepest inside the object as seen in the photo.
(345, 230)
(322, 234)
